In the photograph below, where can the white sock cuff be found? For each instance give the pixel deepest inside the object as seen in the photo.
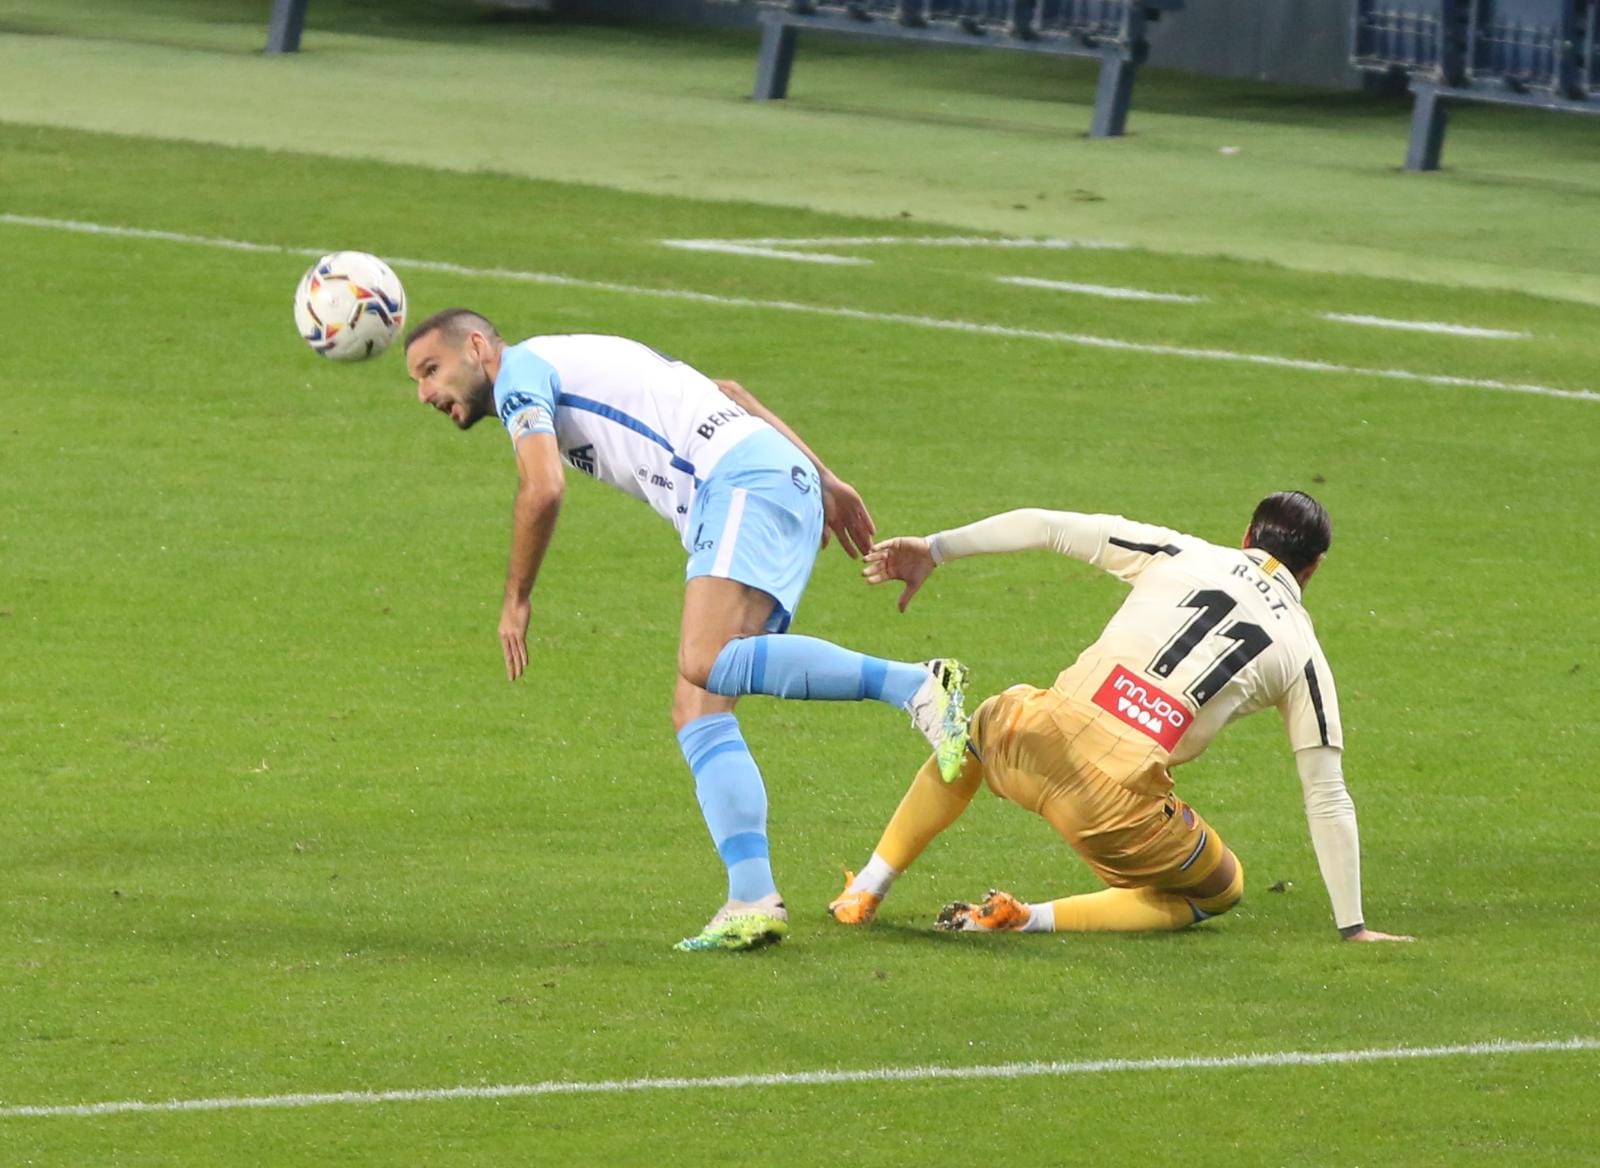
(875, 877)
(1041, 918)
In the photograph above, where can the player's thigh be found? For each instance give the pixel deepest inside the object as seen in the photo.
(1149, 842)
(1023, 751)
(715, 611)
(1130, 837)
(760, 526)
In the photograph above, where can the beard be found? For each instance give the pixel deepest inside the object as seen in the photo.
(478, 403)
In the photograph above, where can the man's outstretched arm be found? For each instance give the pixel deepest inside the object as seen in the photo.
(1109, 542)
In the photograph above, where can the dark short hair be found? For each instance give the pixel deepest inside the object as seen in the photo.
(1291, 526)
(455, 323)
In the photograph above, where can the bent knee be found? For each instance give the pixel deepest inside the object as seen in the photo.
(1230, 876)
(695, 668)
(691, 703)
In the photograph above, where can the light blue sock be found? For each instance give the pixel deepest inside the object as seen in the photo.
(783, 665)
(733, 801)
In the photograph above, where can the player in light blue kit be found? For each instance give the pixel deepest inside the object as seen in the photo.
(750, 502)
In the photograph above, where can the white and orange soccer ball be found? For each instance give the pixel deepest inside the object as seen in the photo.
(349, 306)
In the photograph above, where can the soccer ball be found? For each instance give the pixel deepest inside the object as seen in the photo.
(349, 305)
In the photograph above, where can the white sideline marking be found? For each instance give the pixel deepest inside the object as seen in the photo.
(1426, 326)
(812, 1078)
(1102, 290)
(1297, 364)
(767, 253)
(778, 248)
(148, 233)
(922, 241)
(80, 227)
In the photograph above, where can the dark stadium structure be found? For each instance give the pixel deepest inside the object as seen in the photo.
(1538, 53)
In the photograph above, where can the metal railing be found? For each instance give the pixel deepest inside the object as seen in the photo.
(1538, 53)
(1110, 31)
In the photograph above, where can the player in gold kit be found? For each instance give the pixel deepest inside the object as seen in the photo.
(1208, 634)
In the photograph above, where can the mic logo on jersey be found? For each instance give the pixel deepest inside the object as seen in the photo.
(1128, 697)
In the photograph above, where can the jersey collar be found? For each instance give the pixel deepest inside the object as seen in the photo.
(1274, 568)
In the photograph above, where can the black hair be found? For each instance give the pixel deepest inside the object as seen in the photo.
(455, 323)
(1291, 526)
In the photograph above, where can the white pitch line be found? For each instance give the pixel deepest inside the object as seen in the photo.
(782, 248)
(977, 328)
(1105, 291)
(913, 1074)
(1044, 244)
(728, 247)
(76, 225)
(1426, 326)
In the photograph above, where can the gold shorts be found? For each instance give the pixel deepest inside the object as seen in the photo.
(1108, 796)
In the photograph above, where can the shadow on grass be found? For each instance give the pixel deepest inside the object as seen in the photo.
(905, 936)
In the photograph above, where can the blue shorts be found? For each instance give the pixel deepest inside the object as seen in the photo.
(758, 520)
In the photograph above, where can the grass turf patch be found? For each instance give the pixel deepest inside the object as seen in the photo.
(280, 826)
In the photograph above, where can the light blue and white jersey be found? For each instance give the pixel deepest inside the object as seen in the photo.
(622, 413)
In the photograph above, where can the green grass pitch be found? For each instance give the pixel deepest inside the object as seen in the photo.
(276, 826)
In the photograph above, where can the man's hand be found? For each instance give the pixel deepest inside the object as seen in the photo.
(906, 557)
(514, 636)
(846, 516)
(1374, 935)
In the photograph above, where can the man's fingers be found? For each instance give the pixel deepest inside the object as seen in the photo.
(516, 655)
(847, 542)
(910, 591)
(863, 529)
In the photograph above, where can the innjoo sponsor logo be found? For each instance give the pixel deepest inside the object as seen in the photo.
(1143, 706)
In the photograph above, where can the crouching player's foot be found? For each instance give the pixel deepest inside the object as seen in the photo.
(741, 924)
(937, 710)
(854, 906)
(1000, 912)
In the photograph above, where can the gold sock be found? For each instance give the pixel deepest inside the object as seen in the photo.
(1122, 910)
(930, 805)
(1140, 910)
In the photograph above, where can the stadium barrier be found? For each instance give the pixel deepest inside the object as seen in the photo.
(1111, 31)
(1538, 53)
(288, 21)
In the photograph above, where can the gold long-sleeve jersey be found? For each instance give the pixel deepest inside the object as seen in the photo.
(1207, 635)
